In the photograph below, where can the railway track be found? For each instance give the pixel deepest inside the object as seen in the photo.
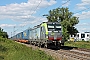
(81, 55)
(73, 54)
(68, 54)
(81, 49)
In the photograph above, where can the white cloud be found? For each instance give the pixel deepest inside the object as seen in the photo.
(83, 4)
(34, 22)
(83, 27)
(23, 11)
(7, 25)
(83, 24)
(83, 16)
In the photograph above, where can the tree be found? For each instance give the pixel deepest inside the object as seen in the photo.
(67, 20)
(3, 34)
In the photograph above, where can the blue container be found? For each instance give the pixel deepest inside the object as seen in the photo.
(26, 34)
(19, 35)
(14, 37)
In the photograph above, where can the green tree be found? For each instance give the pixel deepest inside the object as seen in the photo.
(67, 20)
(3, 34)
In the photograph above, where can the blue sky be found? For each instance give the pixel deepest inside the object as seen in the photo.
(18, 15)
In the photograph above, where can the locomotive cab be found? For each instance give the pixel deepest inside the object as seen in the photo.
(51, 32)
(54, 31)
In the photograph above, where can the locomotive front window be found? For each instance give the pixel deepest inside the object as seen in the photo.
(58, 27)
(54, 27)
(51, 27)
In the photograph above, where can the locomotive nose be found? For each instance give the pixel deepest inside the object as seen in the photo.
(55, 36)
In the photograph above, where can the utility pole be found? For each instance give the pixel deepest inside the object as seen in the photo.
(14, 31)
(11, 34)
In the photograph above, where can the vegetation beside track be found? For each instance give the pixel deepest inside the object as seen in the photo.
(79, 44)
(10, 50)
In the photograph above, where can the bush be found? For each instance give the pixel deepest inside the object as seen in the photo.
(10, 50)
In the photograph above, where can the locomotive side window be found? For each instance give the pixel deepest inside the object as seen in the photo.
(87, 35)
(82, 35)
(54, 27)
(78, 35)
(50, 26)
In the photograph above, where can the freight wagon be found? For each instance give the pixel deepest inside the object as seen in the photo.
(14, 38)
(19, 36)
(25, 34)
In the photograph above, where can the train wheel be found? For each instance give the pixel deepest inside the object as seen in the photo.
(39, 45)
(62, 44)
(46, 45)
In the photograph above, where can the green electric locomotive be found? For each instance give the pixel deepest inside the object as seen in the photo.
(47, 34)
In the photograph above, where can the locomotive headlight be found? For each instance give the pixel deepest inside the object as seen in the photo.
(52, 33)
(60, 41)
(53, 23)
(46, 36)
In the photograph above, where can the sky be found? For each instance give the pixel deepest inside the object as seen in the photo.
(19, 15)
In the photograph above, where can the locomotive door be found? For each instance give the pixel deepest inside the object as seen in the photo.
(42, 33)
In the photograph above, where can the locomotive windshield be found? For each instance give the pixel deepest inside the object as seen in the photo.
(54, 27)
(58, 27)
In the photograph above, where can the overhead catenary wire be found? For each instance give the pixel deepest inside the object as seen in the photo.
(80, 14)
(41, 12)
(37, 7)
(65, 3)
(34, 11)
(82, 10)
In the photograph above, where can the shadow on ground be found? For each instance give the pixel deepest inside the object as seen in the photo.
(67, 47)
(63, 48)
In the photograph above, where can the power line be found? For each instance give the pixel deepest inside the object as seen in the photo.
(82, 10)
(43, 10)
(37, 7)
(34, 11)
(64, 3)
(46, 8)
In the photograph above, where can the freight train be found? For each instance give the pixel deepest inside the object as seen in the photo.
(46, 34)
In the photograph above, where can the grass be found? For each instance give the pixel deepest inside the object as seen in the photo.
(79, 44)
(10, 50)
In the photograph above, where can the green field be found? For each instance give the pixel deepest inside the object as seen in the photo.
(10, 50)
(79, 44)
